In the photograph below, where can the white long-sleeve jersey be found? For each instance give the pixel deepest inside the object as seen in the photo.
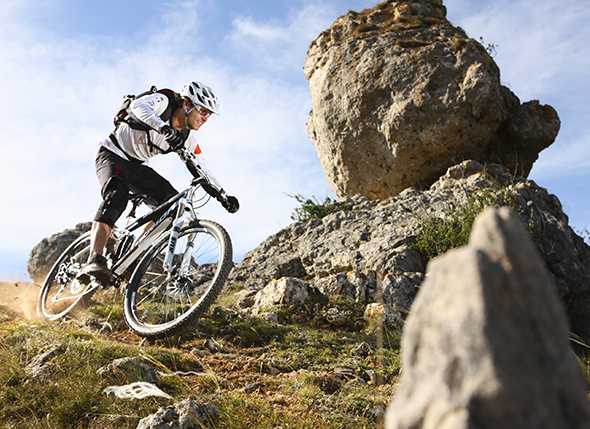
(135, 142)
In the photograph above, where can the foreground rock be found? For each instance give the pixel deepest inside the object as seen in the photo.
(41, 366)
(399, 94)
(46, 252)
(187, 414)
(486, 342)
(364, 252)
(131, 369)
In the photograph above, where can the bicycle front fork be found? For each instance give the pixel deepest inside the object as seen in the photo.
(171, 248)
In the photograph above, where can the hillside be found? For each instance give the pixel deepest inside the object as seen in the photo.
(257, 374)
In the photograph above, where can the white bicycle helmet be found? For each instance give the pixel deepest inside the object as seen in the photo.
(201, 95)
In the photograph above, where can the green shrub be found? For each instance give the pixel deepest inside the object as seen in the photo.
(312, 208)
(491, 48)
(438, 235)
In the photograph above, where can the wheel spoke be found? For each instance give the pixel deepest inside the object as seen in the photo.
(153, 280)
(162, 308)
(153, 291)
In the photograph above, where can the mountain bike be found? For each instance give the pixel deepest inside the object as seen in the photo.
(171, 273)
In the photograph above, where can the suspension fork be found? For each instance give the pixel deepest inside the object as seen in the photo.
(179, 220)
(187, 256)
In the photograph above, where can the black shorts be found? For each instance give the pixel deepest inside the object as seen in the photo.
(137, 177)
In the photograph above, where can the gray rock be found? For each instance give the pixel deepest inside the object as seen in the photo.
(187, 414)
(365, 252)
(132, 368)
(399, 290)
(285, 292)
(356, 285)
(378, 315)
(399, 94)
(40, 366)
(486, 342)
(46, 252)
(245, 298)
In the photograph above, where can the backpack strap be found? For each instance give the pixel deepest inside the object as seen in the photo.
(174, 102)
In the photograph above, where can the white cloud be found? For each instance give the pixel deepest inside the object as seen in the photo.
(246, 27)
(281, 45)
(178, 30)
(571, 156)
(538, 52)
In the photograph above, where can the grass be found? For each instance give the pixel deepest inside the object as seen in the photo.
(312, 208)
(71, 395)
(438, 235)
(294, 368)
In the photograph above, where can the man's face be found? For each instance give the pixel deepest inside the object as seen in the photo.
(198, 117)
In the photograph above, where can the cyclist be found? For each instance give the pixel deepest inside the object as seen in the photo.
(154, 123)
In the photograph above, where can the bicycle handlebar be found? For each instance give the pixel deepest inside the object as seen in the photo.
(200, 176)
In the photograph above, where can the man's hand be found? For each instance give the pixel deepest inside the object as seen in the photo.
(173, 137)
(230, 203)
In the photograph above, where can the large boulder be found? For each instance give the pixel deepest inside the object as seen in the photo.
(46, 252)
(486, 342)
(365, 251)
(399, 94)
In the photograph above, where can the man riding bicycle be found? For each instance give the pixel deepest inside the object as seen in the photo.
(154, 123)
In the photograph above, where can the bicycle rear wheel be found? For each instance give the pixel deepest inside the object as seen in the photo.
(158, 303)
(61, 291)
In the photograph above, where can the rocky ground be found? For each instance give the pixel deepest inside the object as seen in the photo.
(307, 331)
(248, 372)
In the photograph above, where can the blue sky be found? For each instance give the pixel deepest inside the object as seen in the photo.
(66, 63)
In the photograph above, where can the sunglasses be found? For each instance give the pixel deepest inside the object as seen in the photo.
(203, 112)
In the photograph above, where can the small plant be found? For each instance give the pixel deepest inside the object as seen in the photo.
(491, 48)
(584, 234)
(312, 208)
(439, 235)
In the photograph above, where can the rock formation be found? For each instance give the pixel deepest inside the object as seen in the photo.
(365, 252)
(46, 252)
(486, 342)
(399, 94)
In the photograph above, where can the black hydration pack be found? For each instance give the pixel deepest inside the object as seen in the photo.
(124, 114)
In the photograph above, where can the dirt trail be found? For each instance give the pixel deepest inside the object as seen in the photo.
(19, 299)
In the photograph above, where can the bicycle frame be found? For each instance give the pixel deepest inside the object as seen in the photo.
(171, 217)
(180, 204)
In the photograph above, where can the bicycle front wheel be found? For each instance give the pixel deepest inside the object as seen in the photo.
(158, 302)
